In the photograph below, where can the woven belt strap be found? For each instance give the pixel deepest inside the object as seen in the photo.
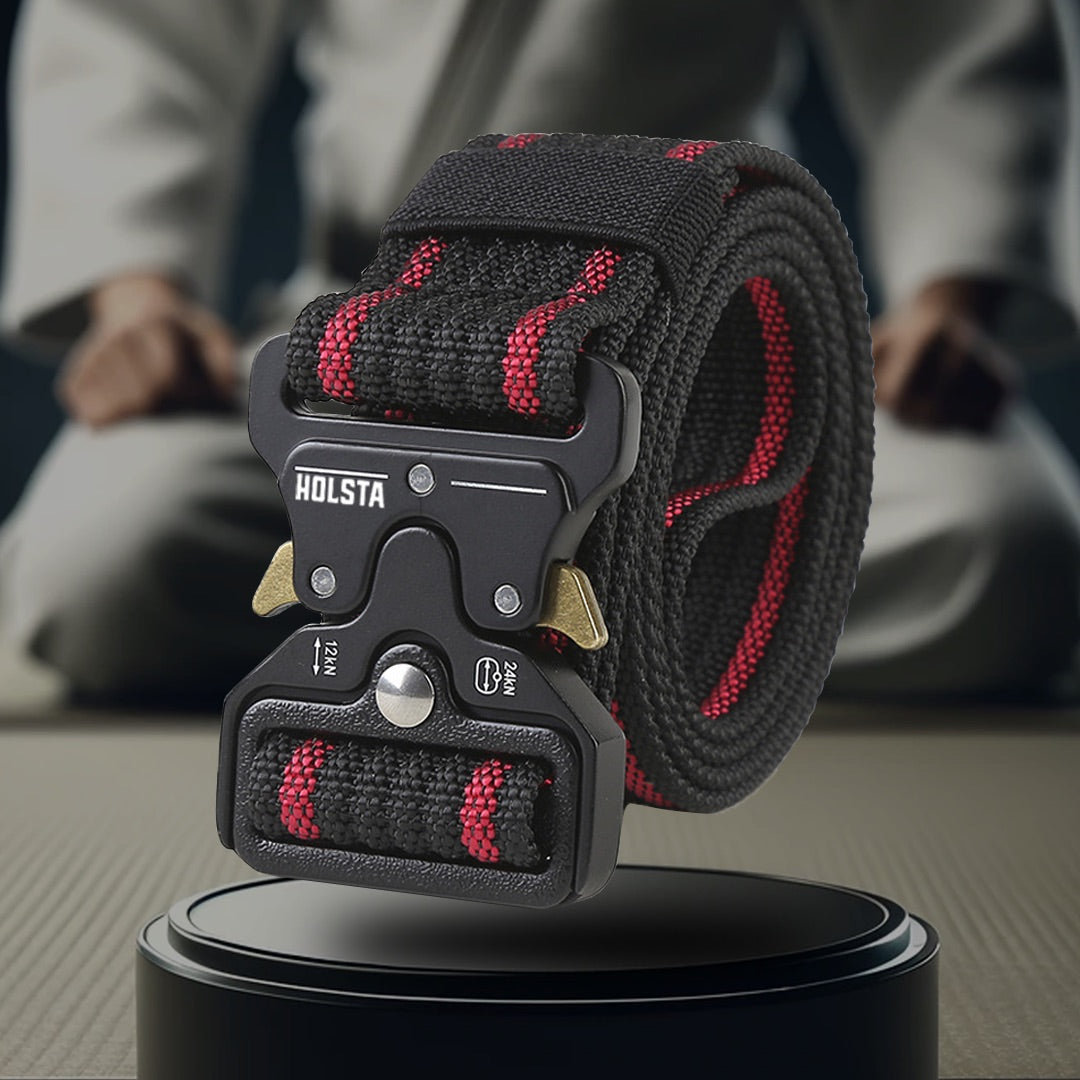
(721, 276)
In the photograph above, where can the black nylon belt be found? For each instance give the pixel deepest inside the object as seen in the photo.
(721, 279)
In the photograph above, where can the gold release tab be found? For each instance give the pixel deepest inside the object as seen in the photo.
(570, 606)
(276, 590)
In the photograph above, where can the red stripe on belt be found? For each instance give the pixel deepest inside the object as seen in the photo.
(637, 783)
(335, 348)
(687, 151)
(779, 408)
(758, 631)
(516, 142)
(481, 798)
(298, 786)
(523, 344)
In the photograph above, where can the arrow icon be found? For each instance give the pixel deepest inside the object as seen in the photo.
(318, 649)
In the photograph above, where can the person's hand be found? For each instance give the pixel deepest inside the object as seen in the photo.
(935, 363)
(148, 348)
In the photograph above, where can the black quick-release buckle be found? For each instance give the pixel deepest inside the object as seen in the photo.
(425, 550)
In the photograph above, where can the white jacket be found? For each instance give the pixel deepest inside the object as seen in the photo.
(131, 118)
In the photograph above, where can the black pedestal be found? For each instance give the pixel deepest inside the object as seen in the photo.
(675, 970)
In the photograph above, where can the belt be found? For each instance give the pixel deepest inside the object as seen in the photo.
(578, 474)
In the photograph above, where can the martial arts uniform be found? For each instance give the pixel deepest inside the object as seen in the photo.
(129, 562)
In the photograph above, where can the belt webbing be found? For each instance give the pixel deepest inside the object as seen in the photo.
(722, 277)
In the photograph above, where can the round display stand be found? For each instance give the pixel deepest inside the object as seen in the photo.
(681, 970)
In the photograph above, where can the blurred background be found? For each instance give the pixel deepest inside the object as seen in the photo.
(264, 250)
(161, 218)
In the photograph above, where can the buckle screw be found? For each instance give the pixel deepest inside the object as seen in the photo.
(421, 479)
(323, 581)
(507, 600)
(404, 695)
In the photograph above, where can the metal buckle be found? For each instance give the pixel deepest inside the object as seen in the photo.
(424, 549)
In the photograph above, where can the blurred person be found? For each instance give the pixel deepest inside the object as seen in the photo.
(129, 563)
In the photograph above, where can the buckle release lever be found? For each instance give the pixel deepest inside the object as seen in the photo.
(569, 606)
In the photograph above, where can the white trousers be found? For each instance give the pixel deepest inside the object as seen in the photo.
(129, 563)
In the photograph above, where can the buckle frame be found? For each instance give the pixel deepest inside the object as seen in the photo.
(414, 580)
(478, 475)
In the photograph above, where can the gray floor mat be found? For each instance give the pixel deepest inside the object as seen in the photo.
(967, 818)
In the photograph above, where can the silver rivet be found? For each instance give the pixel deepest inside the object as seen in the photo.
(507, 600)
(404, 695)
(323, 581)
(421, 479)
